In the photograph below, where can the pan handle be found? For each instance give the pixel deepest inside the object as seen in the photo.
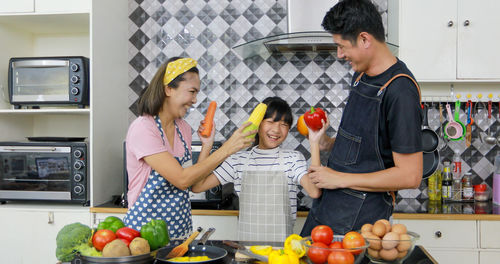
(205, 236)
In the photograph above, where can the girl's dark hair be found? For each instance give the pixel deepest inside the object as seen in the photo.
(351, 17)
(152, 98)
(279, 109)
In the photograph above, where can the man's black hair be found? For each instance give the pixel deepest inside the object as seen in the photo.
(348, 18)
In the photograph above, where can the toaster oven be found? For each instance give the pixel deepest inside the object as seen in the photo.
(44, 171)
(35, 81)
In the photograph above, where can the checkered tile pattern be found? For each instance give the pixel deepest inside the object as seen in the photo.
(207, 29)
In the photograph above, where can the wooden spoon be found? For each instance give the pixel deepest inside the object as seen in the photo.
(181, 249)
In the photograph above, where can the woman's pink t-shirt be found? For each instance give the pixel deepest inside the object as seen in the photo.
(144, 139)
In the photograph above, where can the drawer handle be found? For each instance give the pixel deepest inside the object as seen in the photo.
(438, 234)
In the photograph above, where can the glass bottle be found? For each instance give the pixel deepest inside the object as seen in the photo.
(496, 180)
(467, 189)
(446, 181)
(457, 166)
(434, 186)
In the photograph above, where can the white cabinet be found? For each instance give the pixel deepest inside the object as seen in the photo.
(17, 6)
(74, 28)
(29, 234)
(447, 40)
(45, 6)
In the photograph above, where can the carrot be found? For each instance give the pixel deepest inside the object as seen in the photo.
(209, 120)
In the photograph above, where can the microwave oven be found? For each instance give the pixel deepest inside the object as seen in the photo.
(35, 81)
(44, 171)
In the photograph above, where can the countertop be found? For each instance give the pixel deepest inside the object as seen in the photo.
(404, 209)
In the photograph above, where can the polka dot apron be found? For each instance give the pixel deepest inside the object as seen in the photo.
(159, 199)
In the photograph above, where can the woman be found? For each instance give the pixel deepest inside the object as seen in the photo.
(158, 147)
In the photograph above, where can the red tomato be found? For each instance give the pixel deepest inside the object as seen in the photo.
(340, 257)
(353, 239)
(336, 244)
(317, 254)
(323, 234)
(102, 237)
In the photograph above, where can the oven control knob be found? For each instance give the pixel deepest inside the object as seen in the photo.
(75, 91)
(74, 67)
(215, 189)
(78, 189)
(78, 177)
(78, 154)
(78, 165)
(75, 79)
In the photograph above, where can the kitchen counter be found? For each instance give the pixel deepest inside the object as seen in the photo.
(405, 209)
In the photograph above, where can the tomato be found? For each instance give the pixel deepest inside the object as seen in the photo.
(340, 257)
(317, 254)
(323, 234)
(302, 127)
(336, 244)
(353, 239)
(102, 237)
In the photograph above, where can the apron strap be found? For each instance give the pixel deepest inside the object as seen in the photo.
(392, 79)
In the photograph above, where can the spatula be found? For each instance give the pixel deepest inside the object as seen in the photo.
(181, 249)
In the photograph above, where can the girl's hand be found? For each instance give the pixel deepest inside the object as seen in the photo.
(315, 136)
(239, 140)
(206, 141)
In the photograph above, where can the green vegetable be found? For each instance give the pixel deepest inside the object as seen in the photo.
(69, 238)
(156, 233)
(86, 250)
(112, 223)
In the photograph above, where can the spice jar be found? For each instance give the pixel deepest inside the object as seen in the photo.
(481, 193)
(467, 190)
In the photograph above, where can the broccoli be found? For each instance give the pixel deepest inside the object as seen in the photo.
(69, 238)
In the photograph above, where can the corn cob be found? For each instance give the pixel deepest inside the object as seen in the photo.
(256, 117)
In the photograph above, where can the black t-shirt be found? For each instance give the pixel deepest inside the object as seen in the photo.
(401, 115)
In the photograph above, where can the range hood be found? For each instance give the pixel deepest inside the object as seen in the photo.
(305, 32)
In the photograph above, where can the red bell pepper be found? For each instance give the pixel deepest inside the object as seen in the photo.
(313, 118)
(127, 233)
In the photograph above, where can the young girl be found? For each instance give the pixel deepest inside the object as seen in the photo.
(158, 147)
(266, 177)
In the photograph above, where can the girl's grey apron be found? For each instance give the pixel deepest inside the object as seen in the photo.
(265, 213)
(356, 150)
(159, 199)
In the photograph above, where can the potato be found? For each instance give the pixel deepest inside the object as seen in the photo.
(115, 248)
(139, 246)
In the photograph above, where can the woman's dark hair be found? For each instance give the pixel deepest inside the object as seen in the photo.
(279, 109)
(152, 98)
(351, 17)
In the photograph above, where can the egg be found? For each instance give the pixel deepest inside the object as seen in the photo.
(379, 229)
(366, 228)
(373, 253)
(402, 254)
(405, 243)
(389, 255)
(390, 240)
(375, 242)
(399, 228)
(386, 223)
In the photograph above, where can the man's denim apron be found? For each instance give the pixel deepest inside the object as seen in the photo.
(356, 150)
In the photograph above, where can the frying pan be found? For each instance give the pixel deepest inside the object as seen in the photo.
(431, 162)
(213, 252)
(430, 139)
(454, 129)
(138, 259)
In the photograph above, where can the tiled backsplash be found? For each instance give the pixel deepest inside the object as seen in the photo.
(206, 31)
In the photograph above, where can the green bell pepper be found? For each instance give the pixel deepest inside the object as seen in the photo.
(112, 223)
(156, 233)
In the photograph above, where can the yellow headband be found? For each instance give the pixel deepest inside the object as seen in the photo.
(176, 68)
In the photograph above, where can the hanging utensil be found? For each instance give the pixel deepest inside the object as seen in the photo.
(430, 139)
(453, 130)
(489, 139)
(468, 128)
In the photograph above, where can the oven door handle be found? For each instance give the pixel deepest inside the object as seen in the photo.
(46, 149)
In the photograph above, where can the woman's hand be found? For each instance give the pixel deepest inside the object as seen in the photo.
(206, 141)
(239, 140)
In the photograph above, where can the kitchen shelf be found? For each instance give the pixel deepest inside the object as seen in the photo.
(55, 111)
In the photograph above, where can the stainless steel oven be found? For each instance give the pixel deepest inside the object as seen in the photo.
(44, 171)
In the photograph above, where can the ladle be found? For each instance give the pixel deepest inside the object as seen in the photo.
(488, 138)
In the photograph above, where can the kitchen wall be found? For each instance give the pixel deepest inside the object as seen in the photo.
(206, 31)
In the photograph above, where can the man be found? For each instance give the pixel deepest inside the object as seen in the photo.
(377, 149)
